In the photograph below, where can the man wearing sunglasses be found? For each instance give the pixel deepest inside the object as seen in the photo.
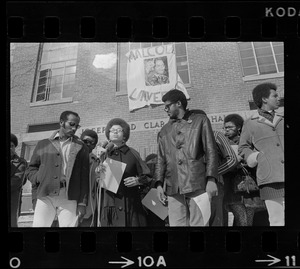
(59, 169)
(187, 161)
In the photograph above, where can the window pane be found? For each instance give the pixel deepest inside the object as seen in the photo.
(45, 66)
(247, 54)
(267, 69)
(55, 90)
(54, 96)
(279, 58)
(59, 71)
(280, 67)
(277, 43)
(263, 52)
(265, 60)
(43, 73)
(42, 81)
(58, 65)
(41, 89)
(40, 97)
(180, 49)
(245, 46)
(278, 49)
(248, 62)
(71, 69)
(258, 45)
(248, 71)
(69, 78)
(182, 67)
(181, 60)
(184, 75)
(56, 80)
(45, 57)
(68, 90)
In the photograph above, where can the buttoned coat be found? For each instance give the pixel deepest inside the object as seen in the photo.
(187, 154)
(45, 169)
(266, 138)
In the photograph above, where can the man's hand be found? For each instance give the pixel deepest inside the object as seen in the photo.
(81, 210)
(211, 187)
(161, 195)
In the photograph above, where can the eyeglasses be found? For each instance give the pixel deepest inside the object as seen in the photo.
(167, 107)
(88, 142)
(73, 124)
(116, 130)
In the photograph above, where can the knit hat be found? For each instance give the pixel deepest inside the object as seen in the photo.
(91, 133)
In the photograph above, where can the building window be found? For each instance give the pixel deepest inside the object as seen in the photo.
(56, 71)
(261, 58)
(181, 62)
(43, 127)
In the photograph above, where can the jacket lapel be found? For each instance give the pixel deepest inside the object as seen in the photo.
(55, 142)
(277, 119)
(74, 149)
(263, 120)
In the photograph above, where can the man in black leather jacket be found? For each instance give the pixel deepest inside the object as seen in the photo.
(187, 161)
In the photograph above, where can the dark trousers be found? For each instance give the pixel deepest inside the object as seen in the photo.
(218, 216)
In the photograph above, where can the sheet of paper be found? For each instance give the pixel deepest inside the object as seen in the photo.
(203, 203)
(113, 174)
(75, 222)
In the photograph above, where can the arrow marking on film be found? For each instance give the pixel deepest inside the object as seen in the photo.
(273, 261)
(127, 262)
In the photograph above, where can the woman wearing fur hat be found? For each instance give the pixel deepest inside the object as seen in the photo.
(124, 208)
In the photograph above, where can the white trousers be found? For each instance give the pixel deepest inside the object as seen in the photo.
(48, 207)
(275, 209)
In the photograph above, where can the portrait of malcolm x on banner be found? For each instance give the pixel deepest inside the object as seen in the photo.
(156, 71)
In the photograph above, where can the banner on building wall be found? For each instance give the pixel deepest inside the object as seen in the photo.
(151, 72)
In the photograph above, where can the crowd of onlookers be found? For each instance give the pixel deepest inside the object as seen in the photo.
(241, 170)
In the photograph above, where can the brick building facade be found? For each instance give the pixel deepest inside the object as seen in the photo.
(218, 83)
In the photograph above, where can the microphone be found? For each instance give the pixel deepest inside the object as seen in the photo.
(105, 147)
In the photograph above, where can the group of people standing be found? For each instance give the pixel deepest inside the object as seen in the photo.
(191, 160)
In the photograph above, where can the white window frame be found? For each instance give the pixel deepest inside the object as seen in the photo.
(259, 76)
(44, 102)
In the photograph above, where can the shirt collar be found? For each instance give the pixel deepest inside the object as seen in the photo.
(58, 137)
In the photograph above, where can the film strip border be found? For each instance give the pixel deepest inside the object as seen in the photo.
(158, 21)
(138, 21)
(180, 248)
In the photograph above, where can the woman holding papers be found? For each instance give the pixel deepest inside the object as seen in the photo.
(121, 206)
(243, 205)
